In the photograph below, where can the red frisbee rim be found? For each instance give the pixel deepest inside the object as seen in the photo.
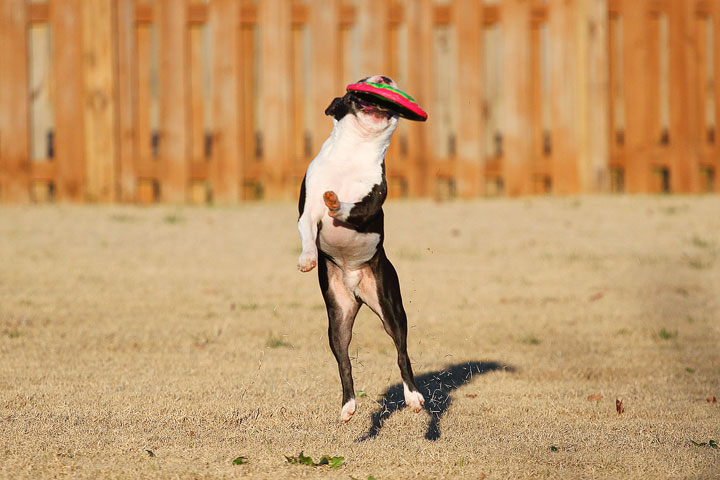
(406, 106)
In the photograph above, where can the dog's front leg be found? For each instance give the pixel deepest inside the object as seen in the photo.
(357, 213)
(308, 229)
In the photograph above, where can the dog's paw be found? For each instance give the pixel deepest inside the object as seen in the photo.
(331, 202)
(307, 261)
(348, 410)
(414, 400)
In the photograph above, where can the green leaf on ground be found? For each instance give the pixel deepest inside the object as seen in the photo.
(666, 334)
(553, 448)
(240, 461)
(361, 393)
(332, 462)
(711, 444)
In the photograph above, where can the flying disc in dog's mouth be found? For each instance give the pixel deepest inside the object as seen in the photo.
(388, 98)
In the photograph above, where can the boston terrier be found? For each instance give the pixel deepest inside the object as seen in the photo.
(341, 230)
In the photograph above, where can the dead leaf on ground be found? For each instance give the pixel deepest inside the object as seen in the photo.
(712, 399)
(594, 398)
(471, 395)
(619, 406)
(596, 296)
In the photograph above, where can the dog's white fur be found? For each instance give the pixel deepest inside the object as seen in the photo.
(349, 164)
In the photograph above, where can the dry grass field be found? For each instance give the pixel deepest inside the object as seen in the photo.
(188, 333)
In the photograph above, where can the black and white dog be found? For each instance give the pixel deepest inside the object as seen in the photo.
(341, 229)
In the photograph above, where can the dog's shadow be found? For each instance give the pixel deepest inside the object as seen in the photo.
(436, 387)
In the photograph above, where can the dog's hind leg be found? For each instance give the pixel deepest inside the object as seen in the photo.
(380, 290)
(342, 307)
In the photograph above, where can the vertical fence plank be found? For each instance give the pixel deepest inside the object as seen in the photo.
(126, 99)
(297, 95)
(248, 140)
(325, 71)
(685, 109)
(226, 171)
(539, 162)
(467, 16)
(565, 95)
(196, 135)
(516, 94)
(198, 186)
(66, 19)
(715, 62)
(372, 25)
(100, 94)
(657, 105)
(615, 97)
(596, 97)
(639, 131)
(14, 98)
(171, 18)
(419, 15)
(276, 73)
(145, 162)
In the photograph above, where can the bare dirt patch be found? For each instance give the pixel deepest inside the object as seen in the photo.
(167, 342)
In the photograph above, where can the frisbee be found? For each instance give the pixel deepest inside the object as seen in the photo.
(389, 98)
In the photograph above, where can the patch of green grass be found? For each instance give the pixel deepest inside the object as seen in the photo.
(700, 242)
(202, 340)
(274, 342)
(461, 462)
(14, 333)
(673, 209)
(699, 263)
(406, 254)
(173, 219)
(251, 306)
(689, 370)
(122, 218)
(666, 334)
(530, 340)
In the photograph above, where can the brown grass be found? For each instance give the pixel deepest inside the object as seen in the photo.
(188, 332)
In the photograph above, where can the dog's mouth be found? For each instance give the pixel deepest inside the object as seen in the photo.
(373, 110)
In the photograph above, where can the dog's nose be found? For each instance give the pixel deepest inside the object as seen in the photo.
(382, 79)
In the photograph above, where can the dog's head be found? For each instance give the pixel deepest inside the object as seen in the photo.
(372, 117)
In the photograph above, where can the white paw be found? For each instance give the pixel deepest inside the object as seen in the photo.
(414, 400)
(307, 261)
(348, 410)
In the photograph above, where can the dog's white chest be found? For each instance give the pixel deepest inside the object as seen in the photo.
(352, 176)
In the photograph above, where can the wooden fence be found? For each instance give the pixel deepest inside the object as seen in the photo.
(222, 101)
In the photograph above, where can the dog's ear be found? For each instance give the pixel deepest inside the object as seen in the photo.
(338, 108)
